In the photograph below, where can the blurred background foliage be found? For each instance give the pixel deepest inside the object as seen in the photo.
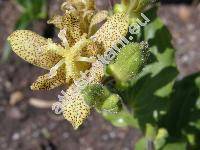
(30, 10)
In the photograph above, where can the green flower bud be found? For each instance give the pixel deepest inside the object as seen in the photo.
(137, 6)
(141, 5)
(119, 8)
(133, 8)
(95, 94)
(127, 64)
(112, 104)
(102, 99)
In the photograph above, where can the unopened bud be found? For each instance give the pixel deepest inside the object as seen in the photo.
(112, 104)
(102, 99)
(95, 94)
(128, 63)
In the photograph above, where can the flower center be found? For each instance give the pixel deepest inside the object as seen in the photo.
(70, 55)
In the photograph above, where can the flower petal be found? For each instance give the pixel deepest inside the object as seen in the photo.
(32, 48)
(97, 18)
(80, 4)
(75, 110)
(56, 21)
(90, 4)
(63, 23)
(75, 28)
(46, 83)
(71, 23)
(93, 49)
(113, 30)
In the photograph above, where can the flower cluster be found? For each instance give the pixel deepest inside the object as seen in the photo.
(81, 42)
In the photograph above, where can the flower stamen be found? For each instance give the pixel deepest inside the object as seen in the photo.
(86, 59)
(53, 70)
(62, 36)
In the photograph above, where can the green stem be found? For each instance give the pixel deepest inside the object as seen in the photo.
(125, 2)
(133, 5)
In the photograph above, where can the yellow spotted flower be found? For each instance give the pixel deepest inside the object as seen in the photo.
(74, 106)
(81, 43)
(64, 63)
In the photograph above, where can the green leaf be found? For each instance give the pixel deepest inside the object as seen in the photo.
(161, 138)
(148, 94)
(23, 21)
(150, 132)
(36, 9)
(121, 119)
(182, 105)
(157, 98)
(175, 146)
(144, 144)
(159, 39)
(141, 144)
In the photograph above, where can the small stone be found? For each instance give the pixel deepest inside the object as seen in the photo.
(112, 135)
(184, 13)
(46, 133)
(15, 136)
(105, 137)
(35, 134)
(125, 148)
(2, 109)
(65, 135)
(8, 85)
(15, 98)
(15, 113)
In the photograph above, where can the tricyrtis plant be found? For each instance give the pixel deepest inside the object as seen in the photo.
(76, 53)
(106, 66)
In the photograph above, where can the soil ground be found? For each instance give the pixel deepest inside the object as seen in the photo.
(24, 127)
